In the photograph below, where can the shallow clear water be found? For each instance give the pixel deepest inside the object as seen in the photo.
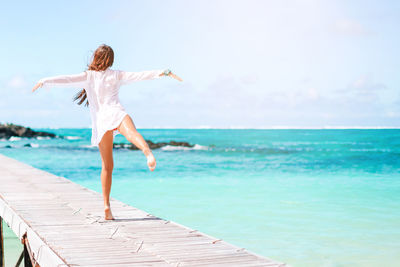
(305, 197)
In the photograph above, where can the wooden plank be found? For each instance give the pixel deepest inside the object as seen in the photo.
(65, 227)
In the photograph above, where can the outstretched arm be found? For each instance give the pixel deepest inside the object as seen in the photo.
(73, 80)
(126, 77)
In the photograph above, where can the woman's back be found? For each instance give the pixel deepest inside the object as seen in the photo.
(102, 88)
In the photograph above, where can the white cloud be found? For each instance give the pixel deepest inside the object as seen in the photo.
(363, 89)
(312, 93)
(250, 78)
(366, 89)
(366, 84)
(392, 114)
(17, 82)
(350, 27)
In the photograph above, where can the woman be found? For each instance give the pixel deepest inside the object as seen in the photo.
(100, 90)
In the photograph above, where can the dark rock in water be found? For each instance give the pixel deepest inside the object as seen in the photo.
(8, 146)
(153, 145)
(8, 130)
(28, 145)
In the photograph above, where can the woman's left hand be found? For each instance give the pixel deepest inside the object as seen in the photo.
(37, 86)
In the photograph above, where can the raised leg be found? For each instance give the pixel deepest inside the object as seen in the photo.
(127, 128)
(106, 150)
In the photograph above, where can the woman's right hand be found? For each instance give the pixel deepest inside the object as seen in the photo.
(39, 84)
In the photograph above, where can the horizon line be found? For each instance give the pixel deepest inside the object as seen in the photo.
(252, 128)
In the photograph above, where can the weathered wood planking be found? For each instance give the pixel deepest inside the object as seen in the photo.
(65, 227)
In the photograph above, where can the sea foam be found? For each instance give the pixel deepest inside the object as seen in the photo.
(73, 137)
(174, 148)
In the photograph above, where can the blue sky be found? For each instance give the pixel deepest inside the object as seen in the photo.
(256, 64)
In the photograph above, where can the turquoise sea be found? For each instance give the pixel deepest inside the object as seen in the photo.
(304, 197)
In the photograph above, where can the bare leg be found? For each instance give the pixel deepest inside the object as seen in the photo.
(127, 128)
(106, 150)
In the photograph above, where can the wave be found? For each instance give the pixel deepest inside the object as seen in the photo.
(9, 146)
(370, 150)
(88, 146)
(73, 137)
(175, 148)
(265, 150)
(232, 150)
(122, 146)
(33, 145)
(91, 147)
(43, 138)
(17, 138)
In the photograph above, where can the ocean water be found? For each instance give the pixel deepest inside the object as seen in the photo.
(304, 197)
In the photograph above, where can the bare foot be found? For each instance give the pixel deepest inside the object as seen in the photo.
(151, 162)
(108, 214)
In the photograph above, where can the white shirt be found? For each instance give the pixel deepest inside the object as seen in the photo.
(102, 89)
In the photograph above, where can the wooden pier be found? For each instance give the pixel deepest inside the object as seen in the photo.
(61, 223)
